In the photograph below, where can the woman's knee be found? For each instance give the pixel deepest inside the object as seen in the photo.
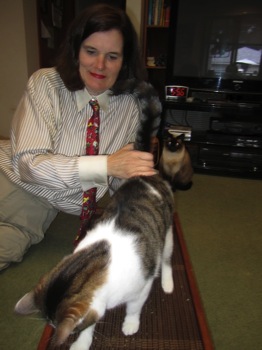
(14, 243)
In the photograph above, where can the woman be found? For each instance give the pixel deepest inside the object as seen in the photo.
(44, 169)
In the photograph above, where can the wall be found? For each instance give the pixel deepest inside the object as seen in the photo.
(133, 9)
(19, 51)
(18, 55)
(31, 36)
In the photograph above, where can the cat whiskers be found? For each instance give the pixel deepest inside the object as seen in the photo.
(96, 332)
(101, 335)
(36, 318)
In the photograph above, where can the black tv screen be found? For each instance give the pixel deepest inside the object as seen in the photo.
(216, 45)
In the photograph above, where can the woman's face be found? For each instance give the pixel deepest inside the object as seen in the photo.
(100, 60)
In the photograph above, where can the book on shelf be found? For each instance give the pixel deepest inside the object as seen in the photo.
(158, 13)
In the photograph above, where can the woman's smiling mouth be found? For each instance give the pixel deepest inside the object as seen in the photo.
(97, 76)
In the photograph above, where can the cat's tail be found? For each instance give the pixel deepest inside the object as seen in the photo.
(151, 109)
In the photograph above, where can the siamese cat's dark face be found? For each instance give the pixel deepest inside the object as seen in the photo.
(174, 144)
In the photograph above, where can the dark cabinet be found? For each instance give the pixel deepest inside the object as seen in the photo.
(226, 138)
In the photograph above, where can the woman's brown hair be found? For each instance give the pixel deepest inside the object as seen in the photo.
(100, 18)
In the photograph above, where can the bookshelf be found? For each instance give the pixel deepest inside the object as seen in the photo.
(155, 24)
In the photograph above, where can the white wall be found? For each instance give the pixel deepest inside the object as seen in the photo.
(31, 36)
(15, 49)
(19, 51)
(133, 9)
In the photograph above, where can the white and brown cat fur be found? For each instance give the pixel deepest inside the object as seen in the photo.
(116, 263)
(119, 258)
(175, 163)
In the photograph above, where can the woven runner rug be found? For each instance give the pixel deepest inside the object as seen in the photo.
(168, 322)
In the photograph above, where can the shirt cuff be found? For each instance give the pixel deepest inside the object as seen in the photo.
(93, 171)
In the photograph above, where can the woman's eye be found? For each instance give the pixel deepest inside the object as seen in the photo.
(113, 57)
(91, 52)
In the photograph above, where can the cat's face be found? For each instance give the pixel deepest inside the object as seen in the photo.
(64, 296)
(70, 316)
(63, 299)
(174, 144)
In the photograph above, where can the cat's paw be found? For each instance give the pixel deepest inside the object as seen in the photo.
(83, 342)
(167, 281)
(77, 346)
(168, 286)
(130, 325)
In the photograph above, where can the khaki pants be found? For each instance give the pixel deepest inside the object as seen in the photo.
(24, 218)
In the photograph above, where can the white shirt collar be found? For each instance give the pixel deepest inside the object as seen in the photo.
(83, 97)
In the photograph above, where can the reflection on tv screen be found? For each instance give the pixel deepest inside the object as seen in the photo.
(219, 39)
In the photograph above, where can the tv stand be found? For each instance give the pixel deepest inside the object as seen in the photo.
(226, 135)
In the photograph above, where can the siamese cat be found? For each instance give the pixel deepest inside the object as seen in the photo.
(175, 163)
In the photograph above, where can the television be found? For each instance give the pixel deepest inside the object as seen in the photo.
(215, 49)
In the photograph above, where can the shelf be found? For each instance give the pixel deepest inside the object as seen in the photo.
(156, 27)
(155, 44)
(156, 67)
(214, 106)
(233, 150)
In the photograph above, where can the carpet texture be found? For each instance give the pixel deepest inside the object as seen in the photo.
(168, 322)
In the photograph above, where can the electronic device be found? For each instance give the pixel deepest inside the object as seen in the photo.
(176, 92)
(237, 127)
(177, 130)
(216, 46)
(227, 159)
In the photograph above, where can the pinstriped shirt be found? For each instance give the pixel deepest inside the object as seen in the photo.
(46, 155)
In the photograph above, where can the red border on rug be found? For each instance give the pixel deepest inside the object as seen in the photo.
(199, 310)
(200, 314)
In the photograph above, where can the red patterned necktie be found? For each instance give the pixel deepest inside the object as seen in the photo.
(89, 196)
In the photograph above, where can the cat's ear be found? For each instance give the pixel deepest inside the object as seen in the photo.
(63, 330)
(181, 137)
(166, 133)
(68, 324)
(90, 319)
(26, 305)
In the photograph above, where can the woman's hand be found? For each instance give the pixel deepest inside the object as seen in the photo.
(128, 162)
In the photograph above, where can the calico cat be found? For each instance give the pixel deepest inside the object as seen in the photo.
(121, 255)
(175, 162)
(116, 263)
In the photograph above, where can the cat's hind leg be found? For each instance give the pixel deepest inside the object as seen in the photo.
(133, 311)
(166, 268)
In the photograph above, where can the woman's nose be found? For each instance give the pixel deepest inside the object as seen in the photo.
(100, 62)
